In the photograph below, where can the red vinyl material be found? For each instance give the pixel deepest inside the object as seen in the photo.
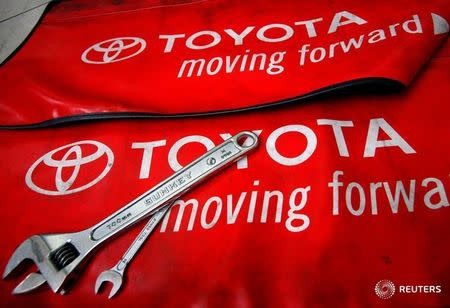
(342, 192)
(133, 56)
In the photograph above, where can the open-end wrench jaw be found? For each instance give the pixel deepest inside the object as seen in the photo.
(109, 276)
(58, 255)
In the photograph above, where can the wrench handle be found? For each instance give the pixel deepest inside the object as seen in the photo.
(140, 239)
(174, 186)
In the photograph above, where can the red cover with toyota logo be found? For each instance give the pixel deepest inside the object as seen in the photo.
(144, 59)
(348, 187)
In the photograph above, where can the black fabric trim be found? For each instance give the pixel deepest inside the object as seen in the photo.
(363, 85)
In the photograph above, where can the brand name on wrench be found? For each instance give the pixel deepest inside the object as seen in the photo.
(168, 188)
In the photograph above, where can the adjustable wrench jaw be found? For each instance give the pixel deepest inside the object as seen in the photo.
(55, 255)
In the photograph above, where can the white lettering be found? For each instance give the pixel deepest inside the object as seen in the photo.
(338, 134)
(239, 38)
(351, 18)
(215, 40)
(293, 207)
(173, 153)
(310, 146)
(335, 185)
(372, 142)
(309, 24)
(261, 34)
(208, 203)
(147, 155)
(362, 198)
(439, 190)
(400, 189)
(170, 40)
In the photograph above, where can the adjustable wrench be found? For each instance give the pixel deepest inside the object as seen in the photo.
(57, 256)
(113, 275)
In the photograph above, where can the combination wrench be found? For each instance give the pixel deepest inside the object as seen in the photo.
(116, 274)
(59, 256)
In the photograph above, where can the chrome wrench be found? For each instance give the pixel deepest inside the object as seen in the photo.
(116, 274)
(57, 256)
(113, 275)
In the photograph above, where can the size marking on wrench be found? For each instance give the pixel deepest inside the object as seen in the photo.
(57, 256)
(162, 192)
(116, 274)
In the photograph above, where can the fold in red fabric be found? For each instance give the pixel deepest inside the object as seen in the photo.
(345, 203)
(340, 194)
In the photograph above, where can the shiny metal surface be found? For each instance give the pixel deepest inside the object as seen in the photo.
(116, 274)
(57, 256)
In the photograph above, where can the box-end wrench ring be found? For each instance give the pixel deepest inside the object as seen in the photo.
(57, 256)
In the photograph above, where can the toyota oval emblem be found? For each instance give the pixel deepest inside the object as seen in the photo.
(69, 157)
(113, 50)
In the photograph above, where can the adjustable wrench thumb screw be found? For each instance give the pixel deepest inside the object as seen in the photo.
(59, 255)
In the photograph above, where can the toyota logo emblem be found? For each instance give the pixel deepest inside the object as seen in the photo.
(64, 164)
(113, 50)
